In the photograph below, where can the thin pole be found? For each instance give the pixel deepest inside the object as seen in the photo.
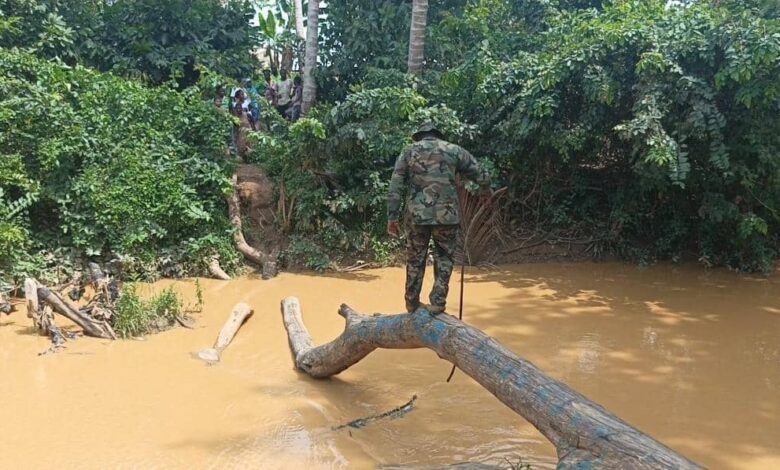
(460, 309)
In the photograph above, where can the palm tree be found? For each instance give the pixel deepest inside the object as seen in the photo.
(298, 12)
(417, 36)
(310, 61)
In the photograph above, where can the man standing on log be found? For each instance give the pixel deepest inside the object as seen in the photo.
(426, 171)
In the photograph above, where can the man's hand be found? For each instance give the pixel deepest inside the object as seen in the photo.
(392, 228)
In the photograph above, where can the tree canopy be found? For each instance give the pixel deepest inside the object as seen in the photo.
(645, 129)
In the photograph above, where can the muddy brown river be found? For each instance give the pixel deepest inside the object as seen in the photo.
(688, 356)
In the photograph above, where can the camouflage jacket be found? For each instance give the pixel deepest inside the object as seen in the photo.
(426, 171)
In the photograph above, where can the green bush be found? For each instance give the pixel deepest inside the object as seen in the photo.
(155, 41)
(136, 316)
(111, 168)
(334, 167)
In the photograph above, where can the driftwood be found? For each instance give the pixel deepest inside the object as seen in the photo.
(267, 262)
(31, 296)
(396, 412)
(241, 312)
(584, 434)
(42, 316)
(90, 326)
(216, 270)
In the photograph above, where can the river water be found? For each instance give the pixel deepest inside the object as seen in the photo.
(691, 357)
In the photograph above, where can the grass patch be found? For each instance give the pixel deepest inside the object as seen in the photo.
(136, 316)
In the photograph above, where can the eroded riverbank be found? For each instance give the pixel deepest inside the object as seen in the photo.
(692, 358)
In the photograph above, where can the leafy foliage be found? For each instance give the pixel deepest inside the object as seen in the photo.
(156, 41)
(334, 165)
(136, 316)
(85, 163)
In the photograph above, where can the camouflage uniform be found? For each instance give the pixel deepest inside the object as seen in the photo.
(426, 172)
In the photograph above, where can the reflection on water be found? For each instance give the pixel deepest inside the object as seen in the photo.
(691, 357)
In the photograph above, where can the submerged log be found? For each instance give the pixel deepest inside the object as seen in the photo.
(267, 262)
(90, 326)
(584, 434)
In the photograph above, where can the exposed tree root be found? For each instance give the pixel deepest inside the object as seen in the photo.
(266, 262)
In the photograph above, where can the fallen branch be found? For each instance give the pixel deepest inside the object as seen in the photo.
(53, 331)
(584, 434)
(241, 312)
(266, 262)
(91, 327)
(392, 414)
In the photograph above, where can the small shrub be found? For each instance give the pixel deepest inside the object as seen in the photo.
(136, 316)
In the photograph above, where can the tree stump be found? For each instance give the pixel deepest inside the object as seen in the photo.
(584, 434)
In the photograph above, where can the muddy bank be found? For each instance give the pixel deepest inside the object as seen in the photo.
(690, 357)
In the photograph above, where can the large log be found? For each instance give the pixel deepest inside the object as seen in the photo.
(584, 434)
(90, 327)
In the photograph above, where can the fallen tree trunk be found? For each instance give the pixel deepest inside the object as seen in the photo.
(266, 262)
(90, 327)
(584, 434)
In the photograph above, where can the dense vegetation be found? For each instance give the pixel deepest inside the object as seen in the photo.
(650, 129)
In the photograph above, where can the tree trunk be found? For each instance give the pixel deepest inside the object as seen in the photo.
(287, 59)
(268, 263)
(90, 327)
(298, 12)
(417, 36)
(310, 61)
(584, 434)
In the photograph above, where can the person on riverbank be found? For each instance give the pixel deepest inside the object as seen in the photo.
(270, 88)
(253, 103)
(283, 89)
(239, 110)
(294, 110)
(219, 98)
(425, 171)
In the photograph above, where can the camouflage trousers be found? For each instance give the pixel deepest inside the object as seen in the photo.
(444, 242)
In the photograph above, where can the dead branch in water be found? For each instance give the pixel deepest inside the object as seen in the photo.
(396, 412)
(584, 434)
(91, 327)
(240, 313)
